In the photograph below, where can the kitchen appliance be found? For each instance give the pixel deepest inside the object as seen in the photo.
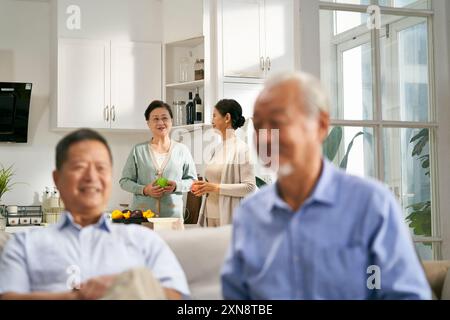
(24, 215)
(14, 111)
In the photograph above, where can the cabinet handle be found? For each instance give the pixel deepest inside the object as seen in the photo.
(261, 63)
(268, 63)
(113, 113)
(106, 114)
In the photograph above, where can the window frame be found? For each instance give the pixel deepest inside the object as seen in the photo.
(309, 17)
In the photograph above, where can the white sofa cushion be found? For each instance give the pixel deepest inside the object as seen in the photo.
(3, 239)
(201, 253)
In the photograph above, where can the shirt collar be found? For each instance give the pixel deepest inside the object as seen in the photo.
(325, 190)
(67, 220)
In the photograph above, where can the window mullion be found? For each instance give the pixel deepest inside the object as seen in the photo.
(377, 102)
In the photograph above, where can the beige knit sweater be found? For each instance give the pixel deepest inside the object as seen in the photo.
(237, 181)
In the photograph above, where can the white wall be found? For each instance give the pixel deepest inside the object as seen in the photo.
(183, 19)
(119, 20)
(25, 57)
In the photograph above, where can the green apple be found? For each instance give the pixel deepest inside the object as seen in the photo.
(162, 182)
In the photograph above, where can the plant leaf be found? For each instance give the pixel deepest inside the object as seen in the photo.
(344, 161)
(332, 143)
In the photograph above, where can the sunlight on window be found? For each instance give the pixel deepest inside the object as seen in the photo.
(345, 21)
(353, 88)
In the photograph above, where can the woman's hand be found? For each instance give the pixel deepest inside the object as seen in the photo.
(171, 186)
(153, 190)
(199, 188)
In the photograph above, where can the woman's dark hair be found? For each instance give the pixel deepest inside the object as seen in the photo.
(155, 105)
(232, 107)
(62, 148)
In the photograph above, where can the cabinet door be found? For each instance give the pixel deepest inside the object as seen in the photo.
(279, 27)
(243, 38)
(244, 93)
(136, 80)
(83, 83)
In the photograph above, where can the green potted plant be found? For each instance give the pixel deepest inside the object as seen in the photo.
(6, 183)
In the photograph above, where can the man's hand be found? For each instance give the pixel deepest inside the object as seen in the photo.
(171, 186)
(153, 190)
(172, 294)
(95, 288)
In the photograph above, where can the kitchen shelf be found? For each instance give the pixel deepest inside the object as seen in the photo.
(191, 43)
(190, 85)
(192, 127)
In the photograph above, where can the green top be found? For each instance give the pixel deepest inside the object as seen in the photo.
(140, 170)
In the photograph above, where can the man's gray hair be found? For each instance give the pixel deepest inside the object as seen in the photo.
(316, 97)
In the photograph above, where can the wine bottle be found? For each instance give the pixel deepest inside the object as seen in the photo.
(198, 107)
(190, 110)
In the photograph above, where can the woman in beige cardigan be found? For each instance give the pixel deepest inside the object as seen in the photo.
(229, 173)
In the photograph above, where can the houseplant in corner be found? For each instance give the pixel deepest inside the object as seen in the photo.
(6, 185)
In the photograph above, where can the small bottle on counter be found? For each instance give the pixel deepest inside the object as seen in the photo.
(46, 198)
(54, 199)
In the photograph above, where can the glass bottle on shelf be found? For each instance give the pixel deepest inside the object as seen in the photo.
(198, 107)
(184, 70)
(199, 71)
(179, 108)
(190, 110)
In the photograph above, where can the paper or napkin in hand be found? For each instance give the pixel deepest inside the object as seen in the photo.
(135, 284)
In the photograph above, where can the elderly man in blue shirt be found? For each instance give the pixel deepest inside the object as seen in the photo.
(84, 251)
(317, 233)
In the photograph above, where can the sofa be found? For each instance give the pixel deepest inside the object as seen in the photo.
(201, 253)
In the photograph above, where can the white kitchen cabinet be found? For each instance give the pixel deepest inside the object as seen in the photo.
(135, 82)
(244, 93)
(243, 38)
(279, 30)
(257, 37)
(104, 84)
(83, 83)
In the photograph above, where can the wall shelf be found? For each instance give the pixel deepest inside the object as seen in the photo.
(190, 85)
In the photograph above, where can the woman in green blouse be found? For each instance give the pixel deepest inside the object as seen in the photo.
(161, 157)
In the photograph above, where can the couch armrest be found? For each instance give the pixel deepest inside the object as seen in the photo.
(436, 272)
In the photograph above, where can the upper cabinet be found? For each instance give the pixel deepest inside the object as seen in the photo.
(108, 62)
(257, 37)
(136, 73)
(83, 84)
(104, 84)
(243, 38)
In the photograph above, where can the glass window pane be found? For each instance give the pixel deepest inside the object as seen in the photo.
(346, 70)
(415, 4)
(352, 149)
(426, 251)
(348, 21)
(407, 173)
(405, 69)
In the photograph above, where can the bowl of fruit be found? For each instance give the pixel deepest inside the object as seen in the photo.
(132, 216)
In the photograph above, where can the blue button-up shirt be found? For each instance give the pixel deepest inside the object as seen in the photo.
(45, 259)
(347, 241)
